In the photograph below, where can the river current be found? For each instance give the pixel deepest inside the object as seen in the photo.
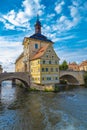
(22, 110)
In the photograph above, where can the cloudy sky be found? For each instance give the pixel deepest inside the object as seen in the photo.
(63, 21)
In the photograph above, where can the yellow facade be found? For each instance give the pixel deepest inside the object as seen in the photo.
(46, 69)
(19, 65)
(83, 66)
(35, 70)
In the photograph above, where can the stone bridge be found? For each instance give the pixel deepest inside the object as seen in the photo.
(72, 77)
(21, 76)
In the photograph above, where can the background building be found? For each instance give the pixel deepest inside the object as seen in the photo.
(83, 66)
(39, 58)
(19, 65)
(73, 66)
(78, 67)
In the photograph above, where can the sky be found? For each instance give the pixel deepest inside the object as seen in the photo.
(63, 21)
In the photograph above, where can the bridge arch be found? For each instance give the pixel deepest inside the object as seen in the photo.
(77, 77)
(23, 77)
(22, 81)
(71, 80)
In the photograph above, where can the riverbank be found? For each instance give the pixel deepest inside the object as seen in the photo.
(50, 88)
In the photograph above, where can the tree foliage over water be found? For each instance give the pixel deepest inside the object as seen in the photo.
(64, 65)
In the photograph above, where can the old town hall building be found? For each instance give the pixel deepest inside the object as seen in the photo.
(39, 58)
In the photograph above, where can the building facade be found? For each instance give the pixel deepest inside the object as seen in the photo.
(1, 69)
(78, 67)
(83, 66)
(73, 66)
(44, 66)
(39, 58)
(19, 65)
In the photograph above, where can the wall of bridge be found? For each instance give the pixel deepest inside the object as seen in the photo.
(79, 75)
(25, 78)
(22, 76)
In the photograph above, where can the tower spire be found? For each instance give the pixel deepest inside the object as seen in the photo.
(38, 25)
(37, 17)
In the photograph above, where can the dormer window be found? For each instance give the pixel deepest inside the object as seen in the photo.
(36, 46)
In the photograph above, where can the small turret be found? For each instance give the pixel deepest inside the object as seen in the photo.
(38, 26)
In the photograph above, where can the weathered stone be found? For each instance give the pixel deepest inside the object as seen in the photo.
(22, 76)
(78, 75)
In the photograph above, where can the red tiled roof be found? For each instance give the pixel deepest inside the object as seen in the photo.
(83, 63)
(73, 63)
(40, 52)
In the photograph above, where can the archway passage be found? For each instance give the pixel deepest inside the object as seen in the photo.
(71, 80)
(21, 76)
(25, 85)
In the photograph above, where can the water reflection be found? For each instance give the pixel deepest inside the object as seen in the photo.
(22, 110)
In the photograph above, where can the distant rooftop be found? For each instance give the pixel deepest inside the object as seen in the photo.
(83, 63)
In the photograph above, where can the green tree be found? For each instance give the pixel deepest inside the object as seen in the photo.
(85, 79)
(64, 65)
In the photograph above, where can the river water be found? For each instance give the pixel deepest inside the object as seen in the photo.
(22, 110)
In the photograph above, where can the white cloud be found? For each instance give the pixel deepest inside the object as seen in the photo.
(78, 9)
(74, 12)
(75, 3)
(69, 23)
(66, 54)
(14, 19)
(9, 26)
(2, 20)
(54, 32)
(58, 39)
(64, 23)
(83, 41)
(58, 7)
(9, 51)
(50, 15)
(21, 18)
